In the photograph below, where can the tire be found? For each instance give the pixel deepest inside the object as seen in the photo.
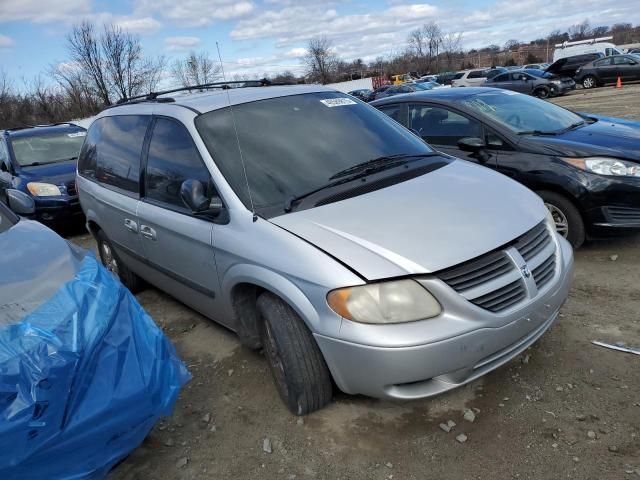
(542, 92)
(589, 81)
(565, 213)
(111, 262)
(297, 365)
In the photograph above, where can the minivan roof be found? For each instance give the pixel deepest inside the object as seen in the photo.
(37, 130)
(214, 99)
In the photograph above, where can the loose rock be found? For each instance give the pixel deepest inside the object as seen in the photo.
(169, 442)
(266, 446)
(181, 463)
(451, 423)
(206, 418)
(591, 434)
(613, 448)
(613, 258)
(444, 427)
(461, 438)
(300, 421)
(388, 465)
(230, 372)
(581, 418)
(469, 416)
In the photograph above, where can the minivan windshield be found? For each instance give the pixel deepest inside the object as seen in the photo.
(43, 149)
(296, 144)
(522, 113)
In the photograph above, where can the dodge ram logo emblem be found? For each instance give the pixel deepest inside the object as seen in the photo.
(526, 273)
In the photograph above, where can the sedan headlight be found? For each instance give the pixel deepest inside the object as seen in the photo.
(605, 166)
(38, 189)
(395, 301)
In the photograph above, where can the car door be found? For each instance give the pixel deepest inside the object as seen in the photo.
(522, 82)
(442, 127)
(476, 78)
(606, 70)
(501, 81)
(110, 158)
(624, 67)
(178, 245)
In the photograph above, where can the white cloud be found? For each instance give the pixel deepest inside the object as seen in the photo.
(197, 13)
(39, 11)
(297, 52)
(178, 44)
(143, 26)
(6, 42)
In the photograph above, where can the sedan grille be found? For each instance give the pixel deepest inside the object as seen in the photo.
(494, 282)
(624, 214)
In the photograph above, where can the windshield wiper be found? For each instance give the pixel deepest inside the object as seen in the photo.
(380, 163)
(573, 126)
(537, 132)
(358, 171)
(37, 164)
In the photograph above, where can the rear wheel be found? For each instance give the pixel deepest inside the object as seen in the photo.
(112, 262)
(589, 81)
(297, 365)
(542, 92)
(566, 216)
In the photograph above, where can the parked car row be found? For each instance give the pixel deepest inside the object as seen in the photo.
(397, 239)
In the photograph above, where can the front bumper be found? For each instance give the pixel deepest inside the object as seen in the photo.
(432, 367)
(58, 211)
(613, 203)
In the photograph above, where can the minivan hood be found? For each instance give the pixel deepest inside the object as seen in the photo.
(425, 224)
(608, 136)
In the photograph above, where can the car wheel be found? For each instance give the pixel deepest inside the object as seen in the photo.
(589, 82)
(566, 216)
(112, 263)
(297, 365)
(542, 92)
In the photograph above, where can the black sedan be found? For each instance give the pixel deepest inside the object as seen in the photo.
(608, 70)
(586, 168)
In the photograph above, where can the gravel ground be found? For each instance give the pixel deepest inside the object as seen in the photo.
(565, 409)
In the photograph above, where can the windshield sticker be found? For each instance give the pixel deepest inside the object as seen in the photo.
(338, 102)
(77, 134)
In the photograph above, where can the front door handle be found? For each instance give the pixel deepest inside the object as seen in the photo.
(131, 225)
(148, 232)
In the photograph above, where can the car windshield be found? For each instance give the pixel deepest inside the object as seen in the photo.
(295, 144)
(43, 149)
(522, 113)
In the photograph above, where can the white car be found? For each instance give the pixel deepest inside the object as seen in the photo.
(470, 78)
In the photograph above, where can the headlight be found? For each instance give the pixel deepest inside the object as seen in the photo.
(396, 301)
(556, 82)
(605, 166)
(38, 189)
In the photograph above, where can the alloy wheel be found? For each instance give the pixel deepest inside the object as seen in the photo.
(588, 82)
(560, 219)
(108, 258)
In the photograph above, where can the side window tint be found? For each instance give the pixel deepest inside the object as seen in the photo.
(476, 74)
(621, 60)
(601, 63)
(173, 158)
(111, 151)
(504, 77)
(393, 111)
(440, 126)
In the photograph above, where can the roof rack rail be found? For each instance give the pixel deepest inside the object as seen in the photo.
(154, 96)
(40, 125)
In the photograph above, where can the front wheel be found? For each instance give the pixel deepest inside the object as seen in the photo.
(589, 82)
(112, 262)
(298, 367)
(542, 93)
(566, 216)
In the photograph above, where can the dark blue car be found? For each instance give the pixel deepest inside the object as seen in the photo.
(41, 162)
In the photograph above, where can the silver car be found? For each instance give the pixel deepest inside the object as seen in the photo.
(324, 232)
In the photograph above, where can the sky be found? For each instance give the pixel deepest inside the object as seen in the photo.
(266, 36)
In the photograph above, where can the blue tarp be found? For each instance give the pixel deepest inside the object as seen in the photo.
(83, 379)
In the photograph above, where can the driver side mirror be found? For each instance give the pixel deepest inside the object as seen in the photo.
(20, 203)
(193, 196)
(476, 146)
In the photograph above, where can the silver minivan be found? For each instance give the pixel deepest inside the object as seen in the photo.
(324, 232)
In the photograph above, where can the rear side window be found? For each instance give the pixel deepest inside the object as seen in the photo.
(602, 63)
(112, 149)
(501, 78)
(476, 74)
(173, 158)
(622, 60)
(458, 76)
(440, 126)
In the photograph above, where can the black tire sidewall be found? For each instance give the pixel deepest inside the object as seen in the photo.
(576, 235)
(126, 276)
(542, 92)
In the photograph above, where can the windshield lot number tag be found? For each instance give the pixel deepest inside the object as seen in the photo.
(338, 102)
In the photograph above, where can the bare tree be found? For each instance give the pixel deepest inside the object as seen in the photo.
(195, 69)
(320, 60)
(511, 44)
(451, 47)
(580, 31)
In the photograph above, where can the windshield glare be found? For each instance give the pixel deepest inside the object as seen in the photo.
(292, 145)
(44, 149)
(522, 113)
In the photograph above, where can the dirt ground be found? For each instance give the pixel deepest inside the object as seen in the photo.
(566, 409)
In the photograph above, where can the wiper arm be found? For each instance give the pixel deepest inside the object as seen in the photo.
(288, 205)
(379, 163)
(537, 132)
(573, 126)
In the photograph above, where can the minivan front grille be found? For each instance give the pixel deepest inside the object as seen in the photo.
(494, 282)
(503, 297)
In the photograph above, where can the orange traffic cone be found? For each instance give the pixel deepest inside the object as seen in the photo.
(619, 83)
